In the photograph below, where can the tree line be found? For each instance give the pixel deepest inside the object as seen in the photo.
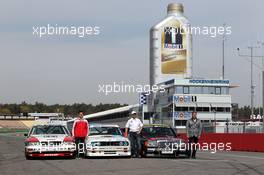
(238, 113)
(67, 109)
(244, 112)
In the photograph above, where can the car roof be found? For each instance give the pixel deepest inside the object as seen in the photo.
(49, 124)
(157, 125)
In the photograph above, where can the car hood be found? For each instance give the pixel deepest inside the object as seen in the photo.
(50, 137)
(106, 138)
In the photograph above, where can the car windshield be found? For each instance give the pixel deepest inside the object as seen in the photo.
(48, 129)
(104, 131)
(157, 132)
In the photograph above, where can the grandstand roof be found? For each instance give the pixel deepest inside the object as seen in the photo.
(109, 112)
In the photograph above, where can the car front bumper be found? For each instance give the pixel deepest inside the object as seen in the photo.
(108, 151)
(50, 154)
(41, 151)
(163, 152)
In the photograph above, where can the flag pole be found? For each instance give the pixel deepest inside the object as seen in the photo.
(142, 105)
(143, 113)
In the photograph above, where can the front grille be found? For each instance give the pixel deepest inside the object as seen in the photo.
(51, 143)
(109, 152)
(167, 144)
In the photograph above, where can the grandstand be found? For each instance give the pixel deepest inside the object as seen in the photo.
(12, 124)
(21, 122)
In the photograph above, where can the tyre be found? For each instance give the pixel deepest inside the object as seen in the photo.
(143, 154)
(28, 157)
(73, 156)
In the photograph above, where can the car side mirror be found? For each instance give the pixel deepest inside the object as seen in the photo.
(25, 134)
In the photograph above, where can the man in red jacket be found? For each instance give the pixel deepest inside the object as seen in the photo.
(80, 131)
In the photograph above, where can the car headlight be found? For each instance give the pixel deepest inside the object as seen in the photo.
(68, 143)
(95, 143)
(152, 144)
(123, 143)
(181, 142)
(33, 144)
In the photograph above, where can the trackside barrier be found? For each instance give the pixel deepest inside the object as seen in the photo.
(239, 142)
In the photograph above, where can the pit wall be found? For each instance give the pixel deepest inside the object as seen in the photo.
(253, 142)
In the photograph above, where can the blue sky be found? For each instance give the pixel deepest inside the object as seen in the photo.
(68, 69)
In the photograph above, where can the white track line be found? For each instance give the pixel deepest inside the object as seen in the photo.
(239, 156)
(200, 160)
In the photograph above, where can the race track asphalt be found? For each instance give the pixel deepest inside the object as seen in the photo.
(13, 162)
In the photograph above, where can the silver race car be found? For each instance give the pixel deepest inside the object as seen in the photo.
(46, 140)
(107, 140)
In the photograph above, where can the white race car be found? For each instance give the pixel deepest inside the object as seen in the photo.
(106, 140)
(45, 140)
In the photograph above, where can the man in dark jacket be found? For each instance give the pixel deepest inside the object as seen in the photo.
(193, 130)
(80, 131)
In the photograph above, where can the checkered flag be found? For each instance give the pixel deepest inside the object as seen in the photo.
(143, 98)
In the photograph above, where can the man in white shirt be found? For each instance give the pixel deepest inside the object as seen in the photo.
(135, 126)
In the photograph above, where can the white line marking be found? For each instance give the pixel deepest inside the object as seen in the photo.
(240, 156)
(250, 157)
(200, 160)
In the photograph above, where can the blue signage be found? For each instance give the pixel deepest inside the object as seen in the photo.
(182, 115)
(182, 99)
